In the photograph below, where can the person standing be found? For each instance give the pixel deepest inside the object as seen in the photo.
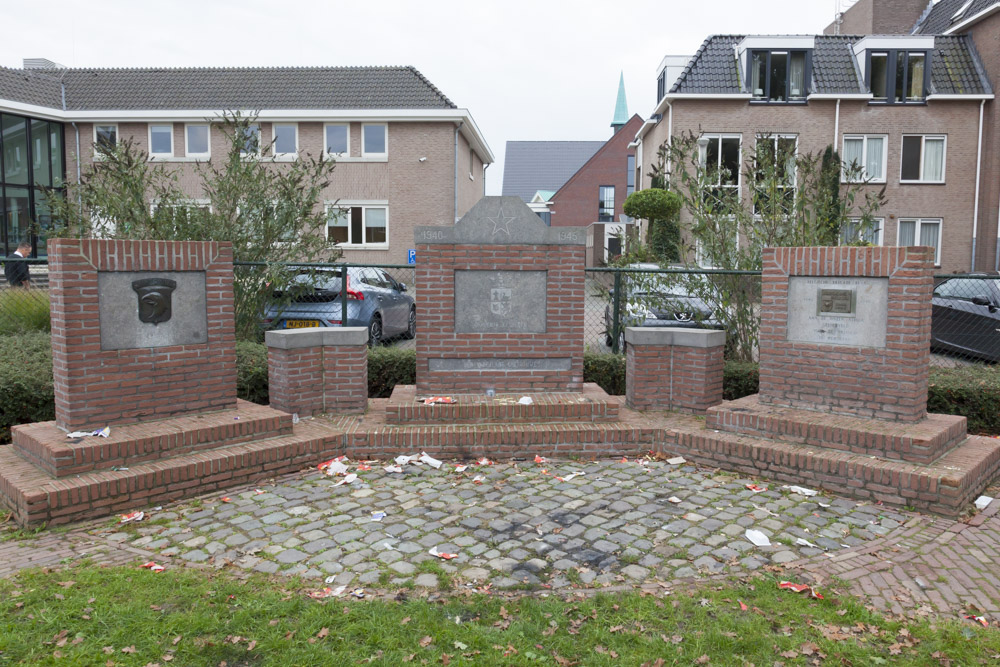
(17, 273)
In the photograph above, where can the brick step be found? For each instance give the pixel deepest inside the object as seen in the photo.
(592, 404)
(36, 498)
(47, 446)
(945, 486)
(920, 442)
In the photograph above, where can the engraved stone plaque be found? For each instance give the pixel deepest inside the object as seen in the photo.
(495, 364)
(128, 322)
(500, 301)
(838, 311)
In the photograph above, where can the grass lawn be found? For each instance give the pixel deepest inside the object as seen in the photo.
(89, 615)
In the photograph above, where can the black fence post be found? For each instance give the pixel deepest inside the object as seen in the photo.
(343, 295)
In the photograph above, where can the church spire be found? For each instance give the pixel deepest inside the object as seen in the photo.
(621, 106)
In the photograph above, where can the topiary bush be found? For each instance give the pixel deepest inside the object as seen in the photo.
(26, 393)
(739, 379)
(606, 370)
(251, 372)
(389, 366)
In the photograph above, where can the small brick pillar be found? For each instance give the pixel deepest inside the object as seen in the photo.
(318, 370)
(673, 369)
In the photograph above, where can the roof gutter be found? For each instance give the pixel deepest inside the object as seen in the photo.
(975, 207)
(964, 98)
(972, 19)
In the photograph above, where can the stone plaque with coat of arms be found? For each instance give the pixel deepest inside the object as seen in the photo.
(500, 301)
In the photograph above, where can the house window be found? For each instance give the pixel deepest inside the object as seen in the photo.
(661, 85)
(923, 159)
(357, 225)
(606, 203)
(864, 158)
(779, 76)
(336, 141)
(196, 138)
(251, 140)
(161, 140)
(286, 140)
(630, 175)
(921, 232)
(106, 136)
(720, 158)
(774, 175)
(896, 77)
(856, 231)
(373, 141)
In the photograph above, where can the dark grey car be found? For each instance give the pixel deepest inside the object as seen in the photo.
(966, 317)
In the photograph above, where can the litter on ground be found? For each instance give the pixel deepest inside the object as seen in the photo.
(153, 567)
(346, 480)
(393, 468)
(802, 542)
(674, 499)
(571, 476)
(756, 488)
(677, 460)
(440, 554)
(525, 400)
(800, 588)
(978, 619)
(131, 516)
(435, 400)
(430, 460)
(757, 538)
(378, 516)
(982, 502)
(802, 491)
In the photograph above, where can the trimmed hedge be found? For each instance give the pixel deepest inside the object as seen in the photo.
(26, 381)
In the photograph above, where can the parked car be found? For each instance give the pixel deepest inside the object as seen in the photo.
(966, 317)
(375, 300)
(660, 300)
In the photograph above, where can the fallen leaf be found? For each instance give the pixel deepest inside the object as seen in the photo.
(128, 649)
(703, 660)
(322, 633)
(108, 650)
(445, 659)
(426, 641)
(405, 621)
(66, 584)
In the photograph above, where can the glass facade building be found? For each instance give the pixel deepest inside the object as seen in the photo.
(31, 161)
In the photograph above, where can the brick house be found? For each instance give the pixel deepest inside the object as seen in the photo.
(909, 109)
(406, 154)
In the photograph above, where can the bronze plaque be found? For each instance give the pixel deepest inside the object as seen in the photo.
(836, 302)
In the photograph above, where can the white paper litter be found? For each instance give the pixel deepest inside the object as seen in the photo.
(478, 479)
(801, 490)
(378, 516)
(393, 468)
(802, 542)
(347, 479)
(677, 460)
(78, 434)
(758, 538)
(403, 460)
(434, 552)
(823, 505)
(460, 468)
(104, 432)
(387, 546)
(571, 476)
(982, 502)
(525, 400)
(336, 468)
(674, 499)
(339, 590)
(430, 460)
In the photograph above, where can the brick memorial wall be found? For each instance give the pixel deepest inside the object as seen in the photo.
(501, 302)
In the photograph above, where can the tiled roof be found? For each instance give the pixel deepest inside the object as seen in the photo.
(530, 166)
(955, 67)
(17, 86)
(252, 88)
(939, 18)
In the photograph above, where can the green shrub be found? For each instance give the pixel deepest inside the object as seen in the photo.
(389, 366)
(607, 370)
(972, 391)
(23, 311)
(739, 379)
(251, 372)
(26, 393)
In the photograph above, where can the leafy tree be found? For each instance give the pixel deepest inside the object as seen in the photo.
(271, 212)
(661, 208)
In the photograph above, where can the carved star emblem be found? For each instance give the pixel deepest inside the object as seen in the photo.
(501, 222)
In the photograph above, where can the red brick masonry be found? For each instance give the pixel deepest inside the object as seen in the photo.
(673, 368)
(318, 370)
(885, 383)
(95, 387)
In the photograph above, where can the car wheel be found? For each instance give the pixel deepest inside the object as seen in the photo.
(375, 331)
(411, 327)
(608, 340)
(621, 341)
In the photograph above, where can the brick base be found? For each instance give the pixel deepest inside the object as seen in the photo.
(673, 368)
(921, 442)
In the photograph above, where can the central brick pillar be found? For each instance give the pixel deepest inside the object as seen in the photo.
(318, 370)
(673, 369)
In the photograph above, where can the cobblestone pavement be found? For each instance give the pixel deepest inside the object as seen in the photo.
(517, 527)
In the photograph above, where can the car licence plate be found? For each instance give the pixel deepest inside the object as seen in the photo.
(301, 324)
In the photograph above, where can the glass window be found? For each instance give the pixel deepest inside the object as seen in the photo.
(921, 232)
(863, 158)
(106, 136)
(161, 140)
(197, 141)
(286, 139)
(854, 230)
(720, 156)
(336, 140)
(18, 216)
(606, 203)
(15, 149)
(630, 176)
(375, 225)
(336, 225)
(778, 76)
(43, 222)
(774, 186)
(901, 73)
(878, 76)
(40, 163)
(56, 153)
(357, 225)
(922, 159)
(251, 140)
(915, 76)
(373, 140)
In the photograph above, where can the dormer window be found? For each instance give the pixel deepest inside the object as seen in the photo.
(779, 76)
(897, 77)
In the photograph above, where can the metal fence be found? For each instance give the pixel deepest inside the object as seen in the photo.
(965, 324)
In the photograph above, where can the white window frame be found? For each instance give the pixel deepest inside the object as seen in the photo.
(923, 142)
(916, 233)
(149, 135)
(187, 203)
(879, 234)
(347, 146)
(703, 157)
(208, 143)
(256, 154)
(774, 138)
(864, 157)
(364, 206)
(374, 156)
(289, 157)
(97, 155)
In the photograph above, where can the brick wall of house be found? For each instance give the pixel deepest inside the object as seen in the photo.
(986, 36)
(576, 202)
(91, 384)
(814, 123)
(418, 193)
(879, 17)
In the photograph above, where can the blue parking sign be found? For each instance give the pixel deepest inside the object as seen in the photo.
(411, 256)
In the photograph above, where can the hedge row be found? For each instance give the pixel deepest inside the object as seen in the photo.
(26, 381)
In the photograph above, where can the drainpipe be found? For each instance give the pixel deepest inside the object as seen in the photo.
(836, 126)
(975, 207)
(457, 130)
(670, 133)
(485, 167)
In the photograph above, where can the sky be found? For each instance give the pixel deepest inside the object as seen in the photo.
(526, 70)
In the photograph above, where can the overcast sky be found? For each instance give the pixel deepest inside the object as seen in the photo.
(538, 70)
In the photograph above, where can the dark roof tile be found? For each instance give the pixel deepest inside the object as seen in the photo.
(530, 166)
(939, 18)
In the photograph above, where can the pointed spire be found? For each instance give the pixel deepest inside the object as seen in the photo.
(621, 106)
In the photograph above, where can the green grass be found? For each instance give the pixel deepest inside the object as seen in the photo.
(197, 617)
(23, 311)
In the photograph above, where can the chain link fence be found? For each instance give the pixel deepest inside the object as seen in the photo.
(965, 328)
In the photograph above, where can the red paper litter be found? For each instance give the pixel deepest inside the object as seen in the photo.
(131, 516)
(226, 499)
(801, 588)
(484, 462)
(364, 467)
(322, 593)
(442, 555)
(624, 459)
(259, 491)
(743, 606)
(540, 459)
(978, 619)
(153, 567)
(756, 489)
(438, 399)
